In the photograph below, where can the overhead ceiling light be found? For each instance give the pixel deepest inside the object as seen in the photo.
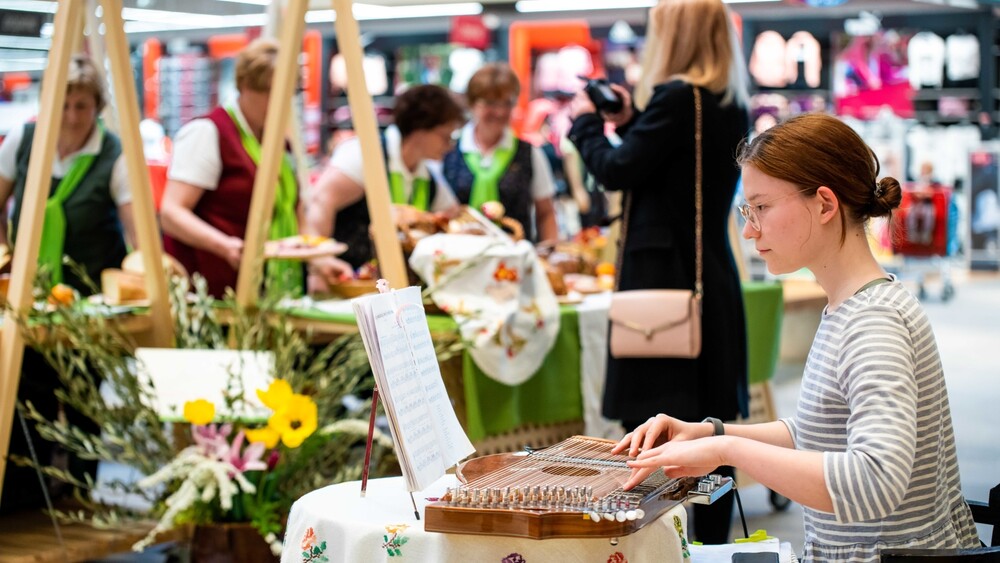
(375, 12)
(30, 6)
(33, 43)
(23, 65)
(529, 6)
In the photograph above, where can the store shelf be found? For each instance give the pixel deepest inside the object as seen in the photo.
(937, 93)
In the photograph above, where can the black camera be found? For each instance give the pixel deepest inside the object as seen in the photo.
(600, 93)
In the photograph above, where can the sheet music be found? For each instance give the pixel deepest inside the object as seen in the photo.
(425, 430)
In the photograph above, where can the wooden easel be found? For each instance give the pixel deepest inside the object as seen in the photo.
(68, 29)
(390, 254)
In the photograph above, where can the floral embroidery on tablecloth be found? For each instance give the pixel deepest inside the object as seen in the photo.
(313, 552)
(504, 273)
(513, 558)
(679, 526)
(394, 540)
(617, 557)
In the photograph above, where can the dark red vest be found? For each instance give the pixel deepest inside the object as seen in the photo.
(226, 207)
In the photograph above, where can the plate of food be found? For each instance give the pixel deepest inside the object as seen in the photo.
(302, 247)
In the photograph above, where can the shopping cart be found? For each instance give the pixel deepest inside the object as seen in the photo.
(924, 233)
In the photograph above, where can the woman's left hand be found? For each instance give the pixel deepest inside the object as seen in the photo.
(690, 458)
(580, 105)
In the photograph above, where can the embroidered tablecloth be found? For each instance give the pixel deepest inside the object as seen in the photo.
(335, 524)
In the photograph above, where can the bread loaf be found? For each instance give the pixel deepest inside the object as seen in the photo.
(133, 263)
(122, 287)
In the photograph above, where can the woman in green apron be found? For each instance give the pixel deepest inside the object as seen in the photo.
(87, 217)
(210, 183)
(425, 119)
(491, 164)
(89, 212)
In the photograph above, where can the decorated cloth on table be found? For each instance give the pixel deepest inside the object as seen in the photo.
(336, 524)
(498, 293)
(552, 395)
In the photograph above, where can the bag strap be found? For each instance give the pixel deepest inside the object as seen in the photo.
(698, 263)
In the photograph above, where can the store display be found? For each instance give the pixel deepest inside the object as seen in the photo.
(188, 89)
(870, 73)
(926, 53)
(962, 56)
(803, 61)
(767, 60)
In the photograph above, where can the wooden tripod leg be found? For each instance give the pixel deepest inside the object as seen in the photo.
(147, 233)
(272, 152)
(390, 254)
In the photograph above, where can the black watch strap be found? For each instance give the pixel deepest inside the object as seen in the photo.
(718, 429)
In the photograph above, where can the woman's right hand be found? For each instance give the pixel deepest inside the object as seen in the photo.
(327, 271)
(659, 430)
(625, 115)
(232, 251)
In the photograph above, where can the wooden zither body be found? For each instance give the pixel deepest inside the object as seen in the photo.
(569, 490)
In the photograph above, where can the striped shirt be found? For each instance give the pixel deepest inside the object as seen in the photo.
(874, 400)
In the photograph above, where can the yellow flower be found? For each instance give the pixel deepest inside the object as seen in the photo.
(264, 435)
(199, 412)
(277, 395)
(296, 422)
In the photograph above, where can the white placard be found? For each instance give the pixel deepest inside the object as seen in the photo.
(179, 376)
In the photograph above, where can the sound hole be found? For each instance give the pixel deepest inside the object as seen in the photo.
(570, 471)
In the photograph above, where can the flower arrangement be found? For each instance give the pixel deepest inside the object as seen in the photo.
(231, 465)
(224, 473)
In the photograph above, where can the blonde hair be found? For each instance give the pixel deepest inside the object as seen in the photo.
(83, 76)
(693, 41)
(255, 65)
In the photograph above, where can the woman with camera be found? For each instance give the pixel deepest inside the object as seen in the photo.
(690, 46)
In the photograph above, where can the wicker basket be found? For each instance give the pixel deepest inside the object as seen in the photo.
(353, 288)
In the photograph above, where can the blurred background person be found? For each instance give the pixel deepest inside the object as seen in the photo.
(88, 216)
(206, 203)
(491, 164)
(425, 118)
(690, 44)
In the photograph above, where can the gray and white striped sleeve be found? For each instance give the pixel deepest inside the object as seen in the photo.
(876, 374)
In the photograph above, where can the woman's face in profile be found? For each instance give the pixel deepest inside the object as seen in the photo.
(778, 223)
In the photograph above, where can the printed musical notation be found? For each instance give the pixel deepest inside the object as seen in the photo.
(425, 430)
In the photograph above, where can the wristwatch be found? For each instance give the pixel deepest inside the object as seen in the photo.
(718, 429)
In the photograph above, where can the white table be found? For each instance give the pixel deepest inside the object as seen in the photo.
(347, 528)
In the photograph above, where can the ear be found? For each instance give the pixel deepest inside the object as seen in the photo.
(829, 205)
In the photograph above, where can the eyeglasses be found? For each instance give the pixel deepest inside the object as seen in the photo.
(749, 212)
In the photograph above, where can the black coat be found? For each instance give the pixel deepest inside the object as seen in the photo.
(655, 164)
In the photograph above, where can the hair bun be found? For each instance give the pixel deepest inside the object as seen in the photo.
(886, 196)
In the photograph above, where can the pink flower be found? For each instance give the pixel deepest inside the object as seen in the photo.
(213, 439)
(249, 460)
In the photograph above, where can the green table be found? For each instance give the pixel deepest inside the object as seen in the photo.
(553, 394)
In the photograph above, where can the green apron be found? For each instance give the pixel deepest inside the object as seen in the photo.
(486, 183)
(50, 251)
(420, 198)
(283, 275)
